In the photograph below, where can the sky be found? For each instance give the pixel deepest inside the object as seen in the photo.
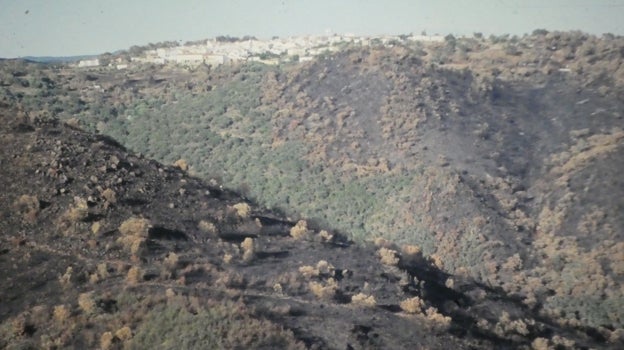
(81, 27)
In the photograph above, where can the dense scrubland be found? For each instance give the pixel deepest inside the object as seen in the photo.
(498, 157)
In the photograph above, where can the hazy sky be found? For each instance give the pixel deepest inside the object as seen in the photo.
(75, 27)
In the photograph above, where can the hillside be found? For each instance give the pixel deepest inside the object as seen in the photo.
(102, 248)
(499, 158)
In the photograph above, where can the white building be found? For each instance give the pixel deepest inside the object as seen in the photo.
(89, 63)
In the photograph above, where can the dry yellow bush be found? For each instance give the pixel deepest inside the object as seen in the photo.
(95, 228)
(321, 291)
(135, 275)
(322, 268)
(325, 268)
(540, 344)
(242, 209)
(388, 256)
(412, 305)
(277, 288)
(438, 320)
(412, 250)
(102, 270)
(94, 278)
(382, 242)
(78, 212)
(134, 232)
(616, 335)
(207, 227)
(61, 313)
(65, 279)
(182, 164)
(437, 261)
(227, 258)
(86, 303)
(124, 333)
(300, 229)
(325, 236)
(247, 244)
(170, 293)
(505, 325)
(109, 196)
(106, 340)
(248, 249)
(363, 299)
(308, 271)
(135, 227)
(18, 325)
(171, 261)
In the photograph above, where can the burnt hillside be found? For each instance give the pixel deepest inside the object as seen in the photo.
(498, 158)
(105, 248)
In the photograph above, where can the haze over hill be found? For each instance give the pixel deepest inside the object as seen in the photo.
(498, 157)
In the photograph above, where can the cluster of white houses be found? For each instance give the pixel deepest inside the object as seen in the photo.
(214, 52)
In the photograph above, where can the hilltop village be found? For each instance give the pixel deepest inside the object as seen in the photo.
(222, 50)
